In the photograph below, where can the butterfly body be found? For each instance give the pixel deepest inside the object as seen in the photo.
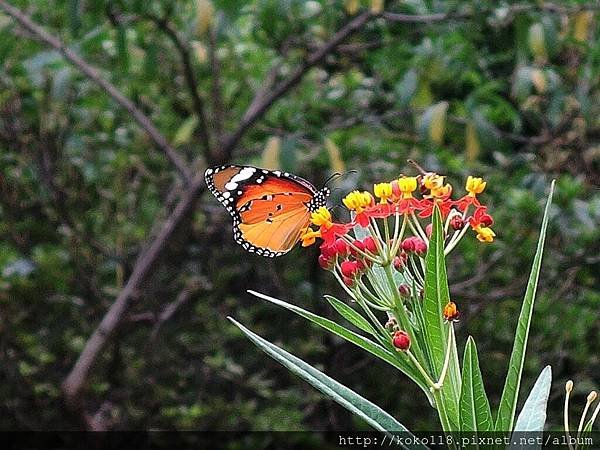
(270, 209)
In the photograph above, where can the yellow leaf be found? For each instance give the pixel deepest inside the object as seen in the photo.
(539, 80)
(200, 51)
(376, 6)
(204, 16)
(335, 156)
(352, 6)
(271, 153)
(472, 145)
(581, 25)
(437, 126)
(537, 41)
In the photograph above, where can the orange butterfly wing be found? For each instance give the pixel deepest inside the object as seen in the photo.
(269, 209)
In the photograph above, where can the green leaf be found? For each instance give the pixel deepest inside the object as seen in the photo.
(475, 412)
(393, 358)
(185, 131)
(363, 408)
(436, 297)
(351, 315)
(533, 414)
(510, 393)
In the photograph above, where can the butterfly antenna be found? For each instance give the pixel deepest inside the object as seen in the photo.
(332, 177)
(417, 166)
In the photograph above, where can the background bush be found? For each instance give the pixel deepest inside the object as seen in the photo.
(507, 91)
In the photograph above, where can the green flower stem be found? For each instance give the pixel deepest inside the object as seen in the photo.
(417, 229)
(386, 233)
(370, 257)
(400, 313)
(454, 240)
(418, 278)
(374, 230)
(384, 333)
(386, 306)
(398, 235)
(426, 377)
(440, 382)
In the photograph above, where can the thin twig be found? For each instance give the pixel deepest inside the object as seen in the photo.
(188, 71)
(93, 74)
(169, 311)
(217, 94)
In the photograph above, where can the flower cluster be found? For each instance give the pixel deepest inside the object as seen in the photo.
(388, 235)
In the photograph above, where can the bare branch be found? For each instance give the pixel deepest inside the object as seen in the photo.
(93, 74)
(76, 379)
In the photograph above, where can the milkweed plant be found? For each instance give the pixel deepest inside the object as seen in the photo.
(390, 259)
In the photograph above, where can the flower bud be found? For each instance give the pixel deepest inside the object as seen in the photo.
(457, 223)
(390, 324)
(414, 244)
(357, 245)
(328, 251)
(408, 244)
(420, 246)
(360, 265)
(401, 340)
(404, 290)
(451, 313)
(429, 230)
(324, 262)
(341, 246)
(370, 244)
(399, 263)
(349, 268)
(348, 281)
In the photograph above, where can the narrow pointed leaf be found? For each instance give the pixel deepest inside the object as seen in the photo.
(436, 297)
(351, 315)
(533, 414)
(475, 412)
(363, 408)
(354, 338)
(508, 403)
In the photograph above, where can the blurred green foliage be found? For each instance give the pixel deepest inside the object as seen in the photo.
(507, 91)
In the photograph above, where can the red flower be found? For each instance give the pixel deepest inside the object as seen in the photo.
(357, 245)
(444, 204)
(481, 218)
(329, 235)
(463, 203)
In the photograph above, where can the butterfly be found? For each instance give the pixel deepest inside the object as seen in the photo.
(270, 209)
